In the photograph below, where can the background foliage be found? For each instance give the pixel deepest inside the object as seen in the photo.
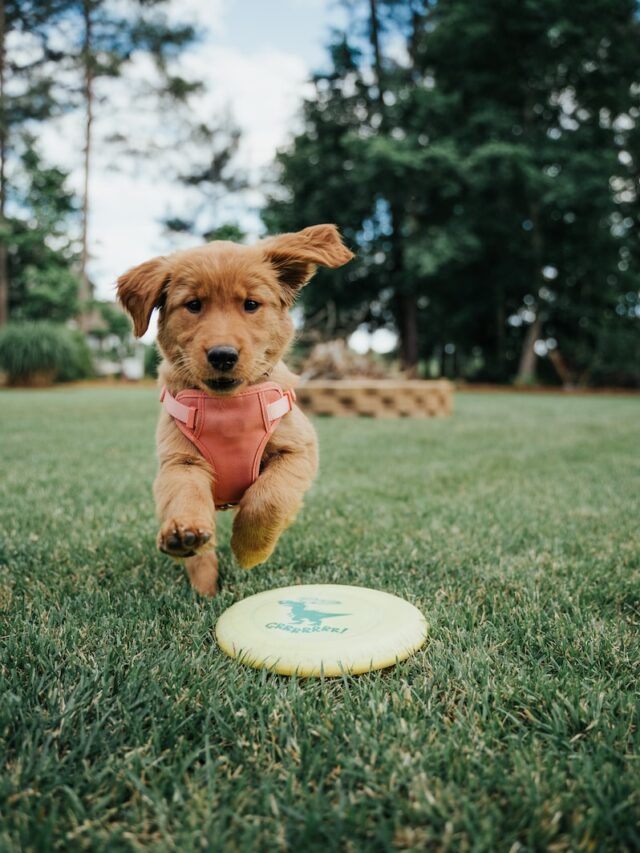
(41, 351)
(482, 158)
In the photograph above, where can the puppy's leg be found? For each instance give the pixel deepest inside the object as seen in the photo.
(184, 500)
(203, 573)
(271, 504)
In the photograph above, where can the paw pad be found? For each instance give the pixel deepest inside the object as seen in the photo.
(181, 541)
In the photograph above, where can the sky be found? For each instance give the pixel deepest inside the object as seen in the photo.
(255, 57)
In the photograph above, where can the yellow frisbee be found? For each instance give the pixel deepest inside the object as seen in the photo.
(321, 629)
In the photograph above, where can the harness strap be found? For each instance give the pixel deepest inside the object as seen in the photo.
(282, 406)
(187, 414)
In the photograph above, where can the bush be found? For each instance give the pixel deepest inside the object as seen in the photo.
(152, 359)
(40, 352)
(616, 357)
(80, 364)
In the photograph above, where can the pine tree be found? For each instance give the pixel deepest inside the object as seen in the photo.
(105, 39)
(71, 46)
(486, 170)
(43, 258)
(27, 96)
(529, 89)
(213, 176)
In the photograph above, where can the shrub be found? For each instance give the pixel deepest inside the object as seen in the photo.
(40, 352)
(80, 364)
(152, 359)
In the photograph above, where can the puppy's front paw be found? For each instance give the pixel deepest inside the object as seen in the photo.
(249, 555)
(251, 542)
(184, 540)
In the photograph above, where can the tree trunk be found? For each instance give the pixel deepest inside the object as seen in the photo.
(409, 333)
(4, 271)
(84, 294)
(374, 37)
(407, 315)
(565, 375)
(528, 359)
(501, 322)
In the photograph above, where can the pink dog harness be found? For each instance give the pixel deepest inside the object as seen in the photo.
(230, 432)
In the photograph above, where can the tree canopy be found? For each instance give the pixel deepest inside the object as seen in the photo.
(52, 55)
(482, 159)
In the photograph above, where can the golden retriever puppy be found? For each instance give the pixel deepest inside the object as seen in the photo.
(224, 327)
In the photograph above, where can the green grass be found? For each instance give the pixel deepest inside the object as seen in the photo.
(512, 525)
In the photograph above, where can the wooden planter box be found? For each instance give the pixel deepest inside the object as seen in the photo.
(376, 398)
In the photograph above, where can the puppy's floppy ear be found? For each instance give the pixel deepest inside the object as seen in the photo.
(141, 288)
(295, 256)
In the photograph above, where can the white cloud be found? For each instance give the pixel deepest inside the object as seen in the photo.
(262, 90)
(206, 14)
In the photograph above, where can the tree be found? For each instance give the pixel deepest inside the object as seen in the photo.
(394, 193)
(486, 171)
(109, 37)
(214, 178)
(27, 96)
(531, 121)
(321, 178)
(72, 46)
(42, 257)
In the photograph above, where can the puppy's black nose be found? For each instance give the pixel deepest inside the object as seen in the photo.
(222, 358)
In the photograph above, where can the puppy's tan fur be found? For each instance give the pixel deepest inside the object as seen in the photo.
(222, 276)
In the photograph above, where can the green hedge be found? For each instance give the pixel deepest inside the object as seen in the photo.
(152, 359)
(40, 352)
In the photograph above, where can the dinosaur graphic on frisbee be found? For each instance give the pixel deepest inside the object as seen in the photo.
(321, 629)
(300, 612)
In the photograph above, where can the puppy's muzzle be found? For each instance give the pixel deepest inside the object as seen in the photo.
(222, 358)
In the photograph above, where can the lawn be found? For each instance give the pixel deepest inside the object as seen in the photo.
(513, 525)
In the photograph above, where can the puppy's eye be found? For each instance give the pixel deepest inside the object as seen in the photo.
(195, 306)
(250, 305)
